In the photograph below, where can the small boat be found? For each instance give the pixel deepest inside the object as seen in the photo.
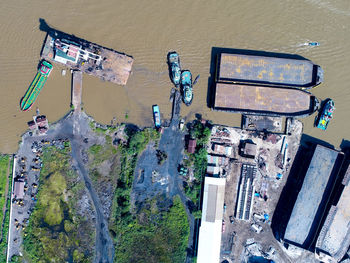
(325, 115)
(156, 116)
(35, 87)
(174, 67)
(312, 44)
(186, 83)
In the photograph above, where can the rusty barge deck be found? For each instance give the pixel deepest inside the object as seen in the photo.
(269, 71)
(90, 58)
(260, 100)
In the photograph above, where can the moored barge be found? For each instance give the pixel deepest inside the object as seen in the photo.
(90, 58)
(35, 87)
(269, 71)
(261, 100)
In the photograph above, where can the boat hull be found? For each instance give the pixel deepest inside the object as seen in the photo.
(174, 68)
(186, 85)
(36, 86)
(325, 115)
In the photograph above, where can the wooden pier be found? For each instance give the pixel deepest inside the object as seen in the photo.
(77, 86)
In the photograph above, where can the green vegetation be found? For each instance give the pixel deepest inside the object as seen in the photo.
(121, 214)
(4, 166)
(100, 153)
(15, 259)
(56, 232)
(155, 236)
(4, 201)
(198, 160)
(152, 235)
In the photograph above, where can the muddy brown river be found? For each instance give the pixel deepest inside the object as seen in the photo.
(147, 30)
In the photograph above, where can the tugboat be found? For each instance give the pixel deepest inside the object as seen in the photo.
(325, 115)
(186, 83)
(174, 67)
(36, 85)
(156, 116)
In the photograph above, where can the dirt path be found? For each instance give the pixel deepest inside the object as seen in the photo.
(104, 243)
(6, 194)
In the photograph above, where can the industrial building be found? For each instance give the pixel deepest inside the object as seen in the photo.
(209, 240)
(334, 238)
(313, 197)
(245, 195)
(18, 189)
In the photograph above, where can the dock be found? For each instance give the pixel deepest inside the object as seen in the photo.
(87, 57)
(77, 86)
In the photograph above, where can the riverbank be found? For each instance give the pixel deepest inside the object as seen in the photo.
(102, 158)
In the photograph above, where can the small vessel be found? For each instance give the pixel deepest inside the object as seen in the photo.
(174, 67)
(325, 115)
(313, 44)
(186, 83)
(156, 116)
(37, 84)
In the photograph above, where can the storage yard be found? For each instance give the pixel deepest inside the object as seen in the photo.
(255, 165)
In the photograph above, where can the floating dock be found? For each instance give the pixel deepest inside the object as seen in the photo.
(90, 58)
(268, 101)
(271, 71)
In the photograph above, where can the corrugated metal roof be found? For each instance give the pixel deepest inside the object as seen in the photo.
(335, 234)
(209, 240)
(311, 195)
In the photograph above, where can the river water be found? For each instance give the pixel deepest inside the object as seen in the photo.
(147, 30)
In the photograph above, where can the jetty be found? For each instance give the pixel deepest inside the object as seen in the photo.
(87, 57)
(77, 86)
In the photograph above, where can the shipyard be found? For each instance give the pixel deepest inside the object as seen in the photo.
(192, 189)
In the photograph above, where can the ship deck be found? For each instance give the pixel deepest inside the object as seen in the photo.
(113, 66)
(266, 70)
(259, 99)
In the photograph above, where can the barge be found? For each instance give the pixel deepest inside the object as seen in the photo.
(35, 87)
(265, 101)
(267, 71)
(90, 58)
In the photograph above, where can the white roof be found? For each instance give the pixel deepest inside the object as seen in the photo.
(210, 230)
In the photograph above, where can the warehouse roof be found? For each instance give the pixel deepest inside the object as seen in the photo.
(210, 230)
(312, 198)
(334, 238)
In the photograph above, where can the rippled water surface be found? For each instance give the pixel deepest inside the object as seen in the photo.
(147, 30)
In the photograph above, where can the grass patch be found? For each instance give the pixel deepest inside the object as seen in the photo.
(99, 153)
(56, 232)
(4, 200)
(156, 236)
(4, 165)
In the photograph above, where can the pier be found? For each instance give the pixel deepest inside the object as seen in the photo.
(77, 86)
(87, 57)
